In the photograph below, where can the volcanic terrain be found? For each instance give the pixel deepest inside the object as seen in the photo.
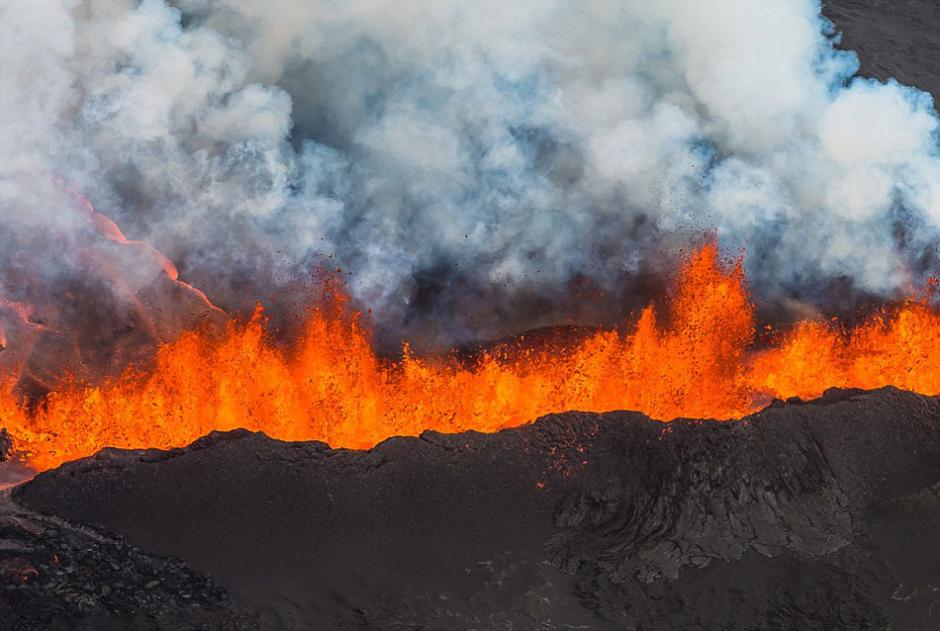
(819, 514)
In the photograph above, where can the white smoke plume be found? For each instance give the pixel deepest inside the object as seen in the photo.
(466, 164)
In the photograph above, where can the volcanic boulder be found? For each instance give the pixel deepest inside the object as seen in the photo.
(6, 445)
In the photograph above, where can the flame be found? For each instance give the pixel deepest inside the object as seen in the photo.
(331, 386)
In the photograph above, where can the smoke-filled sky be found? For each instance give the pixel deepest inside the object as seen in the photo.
(469, 165)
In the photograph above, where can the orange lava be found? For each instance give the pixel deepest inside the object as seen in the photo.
(331, 386)
(110, 230)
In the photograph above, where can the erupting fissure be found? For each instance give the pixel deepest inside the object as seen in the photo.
(330, 385)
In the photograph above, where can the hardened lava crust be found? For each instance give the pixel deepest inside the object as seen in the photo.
(816, 515)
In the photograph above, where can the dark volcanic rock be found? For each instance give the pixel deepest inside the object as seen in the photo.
(6, 445)
(54, 575)
(805, 516)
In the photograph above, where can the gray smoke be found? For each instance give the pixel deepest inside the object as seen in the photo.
(476, 168)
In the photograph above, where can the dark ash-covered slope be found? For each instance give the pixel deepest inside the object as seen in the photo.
(823, 515)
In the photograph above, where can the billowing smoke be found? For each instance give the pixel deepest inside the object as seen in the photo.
(475, 168)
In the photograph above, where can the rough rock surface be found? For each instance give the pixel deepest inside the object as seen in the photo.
(824, 515)
(55, 575)
(6, 445)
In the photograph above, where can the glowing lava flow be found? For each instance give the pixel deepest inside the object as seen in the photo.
(113, 232)
(331, 386)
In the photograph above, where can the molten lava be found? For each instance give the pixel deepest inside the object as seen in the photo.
(331, 386)
(113, 232)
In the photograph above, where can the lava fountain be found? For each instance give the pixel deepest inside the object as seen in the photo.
(697, 358)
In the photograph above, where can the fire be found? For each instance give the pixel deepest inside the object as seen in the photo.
(331, 386)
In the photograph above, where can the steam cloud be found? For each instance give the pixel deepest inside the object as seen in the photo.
(468, 164)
